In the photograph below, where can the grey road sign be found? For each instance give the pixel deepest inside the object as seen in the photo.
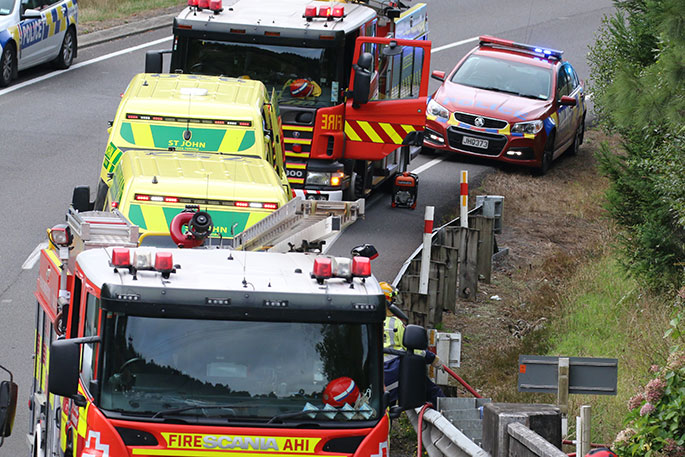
(587, 375)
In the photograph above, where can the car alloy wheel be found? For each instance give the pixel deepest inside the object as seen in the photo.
(7, 66)
(66, 52)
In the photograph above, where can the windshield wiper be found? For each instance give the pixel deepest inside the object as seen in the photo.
(165, 412)
(497, 89)
(294, 414)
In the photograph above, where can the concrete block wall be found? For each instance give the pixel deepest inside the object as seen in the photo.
(544, 420)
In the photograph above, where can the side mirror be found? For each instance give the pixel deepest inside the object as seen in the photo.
(413, 138)
(8, 406)
(30, 14)
(153, 61)
(392, 49)
(411, 392)
(64, 368)
(415, 338)
(80, 199)
(362, 80)
(567, 100)
(364, 250)
(439, 75)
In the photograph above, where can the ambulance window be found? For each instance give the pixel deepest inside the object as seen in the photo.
(92, 322)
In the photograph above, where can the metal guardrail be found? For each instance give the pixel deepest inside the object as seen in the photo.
(417, 251)
(442, 439)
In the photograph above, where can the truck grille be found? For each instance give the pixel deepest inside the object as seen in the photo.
(495, 142)
(490, 123)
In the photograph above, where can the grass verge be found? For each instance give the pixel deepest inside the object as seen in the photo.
(94, 14)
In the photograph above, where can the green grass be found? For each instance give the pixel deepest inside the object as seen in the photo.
(102, 10)
(606, 314)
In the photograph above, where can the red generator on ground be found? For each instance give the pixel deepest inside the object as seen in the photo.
(405, 190)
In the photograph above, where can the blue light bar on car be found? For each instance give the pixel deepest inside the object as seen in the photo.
(499, 42)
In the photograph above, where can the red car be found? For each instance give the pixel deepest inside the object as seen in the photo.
(508, 101)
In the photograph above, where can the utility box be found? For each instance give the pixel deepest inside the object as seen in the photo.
(492, 207)
(447, 346)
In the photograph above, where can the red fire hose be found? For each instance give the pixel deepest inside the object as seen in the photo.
(462, 382)
(420, 428)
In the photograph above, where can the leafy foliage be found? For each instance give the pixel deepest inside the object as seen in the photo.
(638, 67)
(656, 422)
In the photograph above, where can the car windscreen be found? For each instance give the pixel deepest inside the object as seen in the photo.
(303, 76)
(207, 370)
(6, 7)
(505, 76)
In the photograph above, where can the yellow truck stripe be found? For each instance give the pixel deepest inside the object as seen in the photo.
(408, 128)
(231, 141)
(154, 218)
(297, 127)
(387, 128)
(296, 141)
(142, 134)
(350, 133)
(368, 129)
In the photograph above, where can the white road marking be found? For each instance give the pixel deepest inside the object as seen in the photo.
(31, 260)
(82, 64)
(426, 166)
(454, 45)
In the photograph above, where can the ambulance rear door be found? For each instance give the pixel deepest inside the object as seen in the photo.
(399, 72)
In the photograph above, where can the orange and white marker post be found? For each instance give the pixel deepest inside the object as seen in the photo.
(426, 251)
(464, 198)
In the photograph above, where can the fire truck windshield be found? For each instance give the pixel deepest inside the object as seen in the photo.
(303, 76)
(238, 370)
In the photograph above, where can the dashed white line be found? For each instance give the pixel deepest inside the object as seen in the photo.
(83, 64)
(454, 45)
(31, 260)
(426, 166)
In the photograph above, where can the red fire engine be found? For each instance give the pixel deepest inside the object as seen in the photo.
(144, 351)
(351, 79)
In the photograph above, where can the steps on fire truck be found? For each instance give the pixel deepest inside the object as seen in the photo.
(299, 222)
(465, 414)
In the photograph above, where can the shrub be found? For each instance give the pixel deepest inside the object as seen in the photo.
(656, 421)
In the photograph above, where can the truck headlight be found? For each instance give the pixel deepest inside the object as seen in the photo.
(531, 127)
(436, 109)
(320, 178)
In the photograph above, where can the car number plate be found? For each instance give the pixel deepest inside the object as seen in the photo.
(475, 142)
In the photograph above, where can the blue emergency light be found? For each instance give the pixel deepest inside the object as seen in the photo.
(543, 52)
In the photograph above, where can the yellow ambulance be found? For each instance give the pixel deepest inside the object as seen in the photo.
(151, 187)
(231, 117)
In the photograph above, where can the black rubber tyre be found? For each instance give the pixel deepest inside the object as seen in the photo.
(547, 156)
(67, 51)
(577, 140)
(8, 65)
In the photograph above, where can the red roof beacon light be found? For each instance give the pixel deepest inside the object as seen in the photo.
(310, 13)
(191, 3)
(164, 263)
(216, 5)
(323, 269)
(121, 257)
(203, 4)
(325, 11)
(338, 12)
(361, 267)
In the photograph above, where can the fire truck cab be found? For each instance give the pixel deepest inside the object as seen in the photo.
(148, 351)
(351, 81)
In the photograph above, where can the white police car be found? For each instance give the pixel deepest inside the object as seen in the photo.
(36, 31)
